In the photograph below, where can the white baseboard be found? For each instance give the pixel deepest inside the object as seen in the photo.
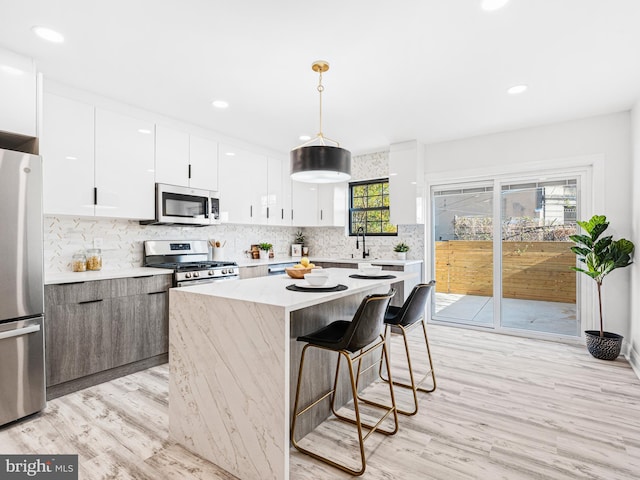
(634, 360)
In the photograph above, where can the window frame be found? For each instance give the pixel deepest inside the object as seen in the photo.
(372, 209)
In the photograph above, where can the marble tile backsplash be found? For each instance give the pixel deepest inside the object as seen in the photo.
(122, 239)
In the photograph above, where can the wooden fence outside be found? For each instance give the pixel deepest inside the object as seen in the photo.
(531, 270)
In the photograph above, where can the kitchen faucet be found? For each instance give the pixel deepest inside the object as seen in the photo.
(365, 252)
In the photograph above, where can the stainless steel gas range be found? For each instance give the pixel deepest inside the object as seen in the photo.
(189, 261)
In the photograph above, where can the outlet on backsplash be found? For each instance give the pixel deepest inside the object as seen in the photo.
(97, 242)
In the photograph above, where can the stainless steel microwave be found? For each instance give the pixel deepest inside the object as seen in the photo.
(176, 205)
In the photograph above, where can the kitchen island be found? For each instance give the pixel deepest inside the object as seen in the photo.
(234, 360)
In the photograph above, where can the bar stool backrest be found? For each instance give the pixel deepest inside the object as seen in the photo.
(368, 321)
(413, 308)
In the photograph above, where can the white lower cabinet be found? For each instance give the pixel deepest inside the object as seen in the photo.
(124, 166)
(67, 149)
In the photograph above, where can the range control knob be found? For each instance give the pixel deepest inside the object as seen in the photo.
(195, 274)
(210, 272)
(187, 275)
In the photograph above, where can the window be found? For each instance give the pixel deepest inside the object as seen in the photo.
(369, 208)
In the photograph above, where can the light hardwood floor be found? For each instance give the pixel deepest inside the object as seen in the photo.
(505, 408)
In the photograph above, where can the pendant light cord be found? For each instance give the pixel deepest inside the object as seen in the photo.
(320, 90)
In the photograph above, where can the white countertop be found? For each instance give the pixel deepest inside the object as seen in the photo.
(247, 262)
(271, 290)
(54, 278)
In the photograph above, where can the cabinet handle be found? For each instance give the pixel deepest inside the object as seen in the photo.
(320, 214)
(189, 170)
(143, 276)
(267, 212)
(251, 211)
(282, 213)
(95, 195)
(157, 293)
(72, 283)
(292, 214)
(89, 301)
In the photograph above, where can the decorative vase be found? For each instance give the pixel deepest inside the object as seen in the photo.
(604, 348)
(401, 255)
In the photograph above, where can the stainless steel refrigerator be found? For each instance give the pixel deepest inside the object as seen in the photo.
(22, 380)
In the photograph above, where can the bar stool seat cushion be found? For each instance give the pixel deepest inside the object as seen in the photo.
(330, 336)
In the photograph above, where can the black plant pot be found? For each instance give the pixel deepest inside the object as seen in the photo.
(604, 348)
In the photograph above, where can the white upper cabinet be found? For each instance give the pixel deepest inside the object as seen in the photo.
(203, 161)
(17, 94)
(172, 156)
(243, 186)
(124, 166)
(304, 204)
(185, 160)
(276, 184)
(322, 204)
(406, 183)
(67, 146)
(332, 204)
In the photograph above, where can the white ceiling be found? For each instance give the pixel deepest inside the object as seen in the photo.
(430, 70)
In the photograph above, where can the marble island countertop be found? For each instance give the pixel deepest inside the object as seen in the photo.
(247, 262)
(271, 290)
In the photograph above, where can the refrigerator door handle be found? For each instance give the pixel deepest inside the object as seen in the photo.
(20, 331)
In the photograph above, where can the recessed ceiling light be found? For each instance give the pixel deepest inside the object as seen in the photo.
(146, 131)
(230, 154)
(491, 5)
(69, 157)
(48, 34)
(516, 89)
(220, 104)
(304, 138)
(11, 70)
(393, 174)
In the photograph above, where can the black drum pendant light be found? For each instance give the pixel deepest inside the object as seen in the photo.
(320, 163)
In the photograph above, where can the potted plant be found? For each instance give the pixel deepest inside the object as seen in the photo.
(299, 237)
(601, 256)
(401, 250)
(264, 249)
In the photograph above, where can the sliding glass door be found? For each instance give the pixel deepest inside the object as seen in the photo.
(502, 257)
(463, 233)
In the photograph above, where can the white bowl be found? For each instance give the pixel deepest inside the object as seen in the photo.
(316, 279)
(371, 270)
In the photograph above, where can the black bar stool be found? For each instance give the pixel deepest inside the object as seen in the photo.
(402, 320)
(363, 334)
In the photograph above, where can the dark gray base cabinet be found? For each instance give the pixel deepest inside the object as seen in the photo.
(94, 326)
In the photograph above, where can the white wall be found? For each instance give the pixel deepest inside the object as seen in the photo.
(634, 336)
(606, 137)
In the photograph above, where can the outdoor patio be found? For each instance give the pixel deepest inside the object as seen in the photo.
(540, 316)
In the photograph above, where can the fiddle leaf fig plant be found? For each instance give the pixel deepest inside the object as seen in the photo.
(600, 255)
